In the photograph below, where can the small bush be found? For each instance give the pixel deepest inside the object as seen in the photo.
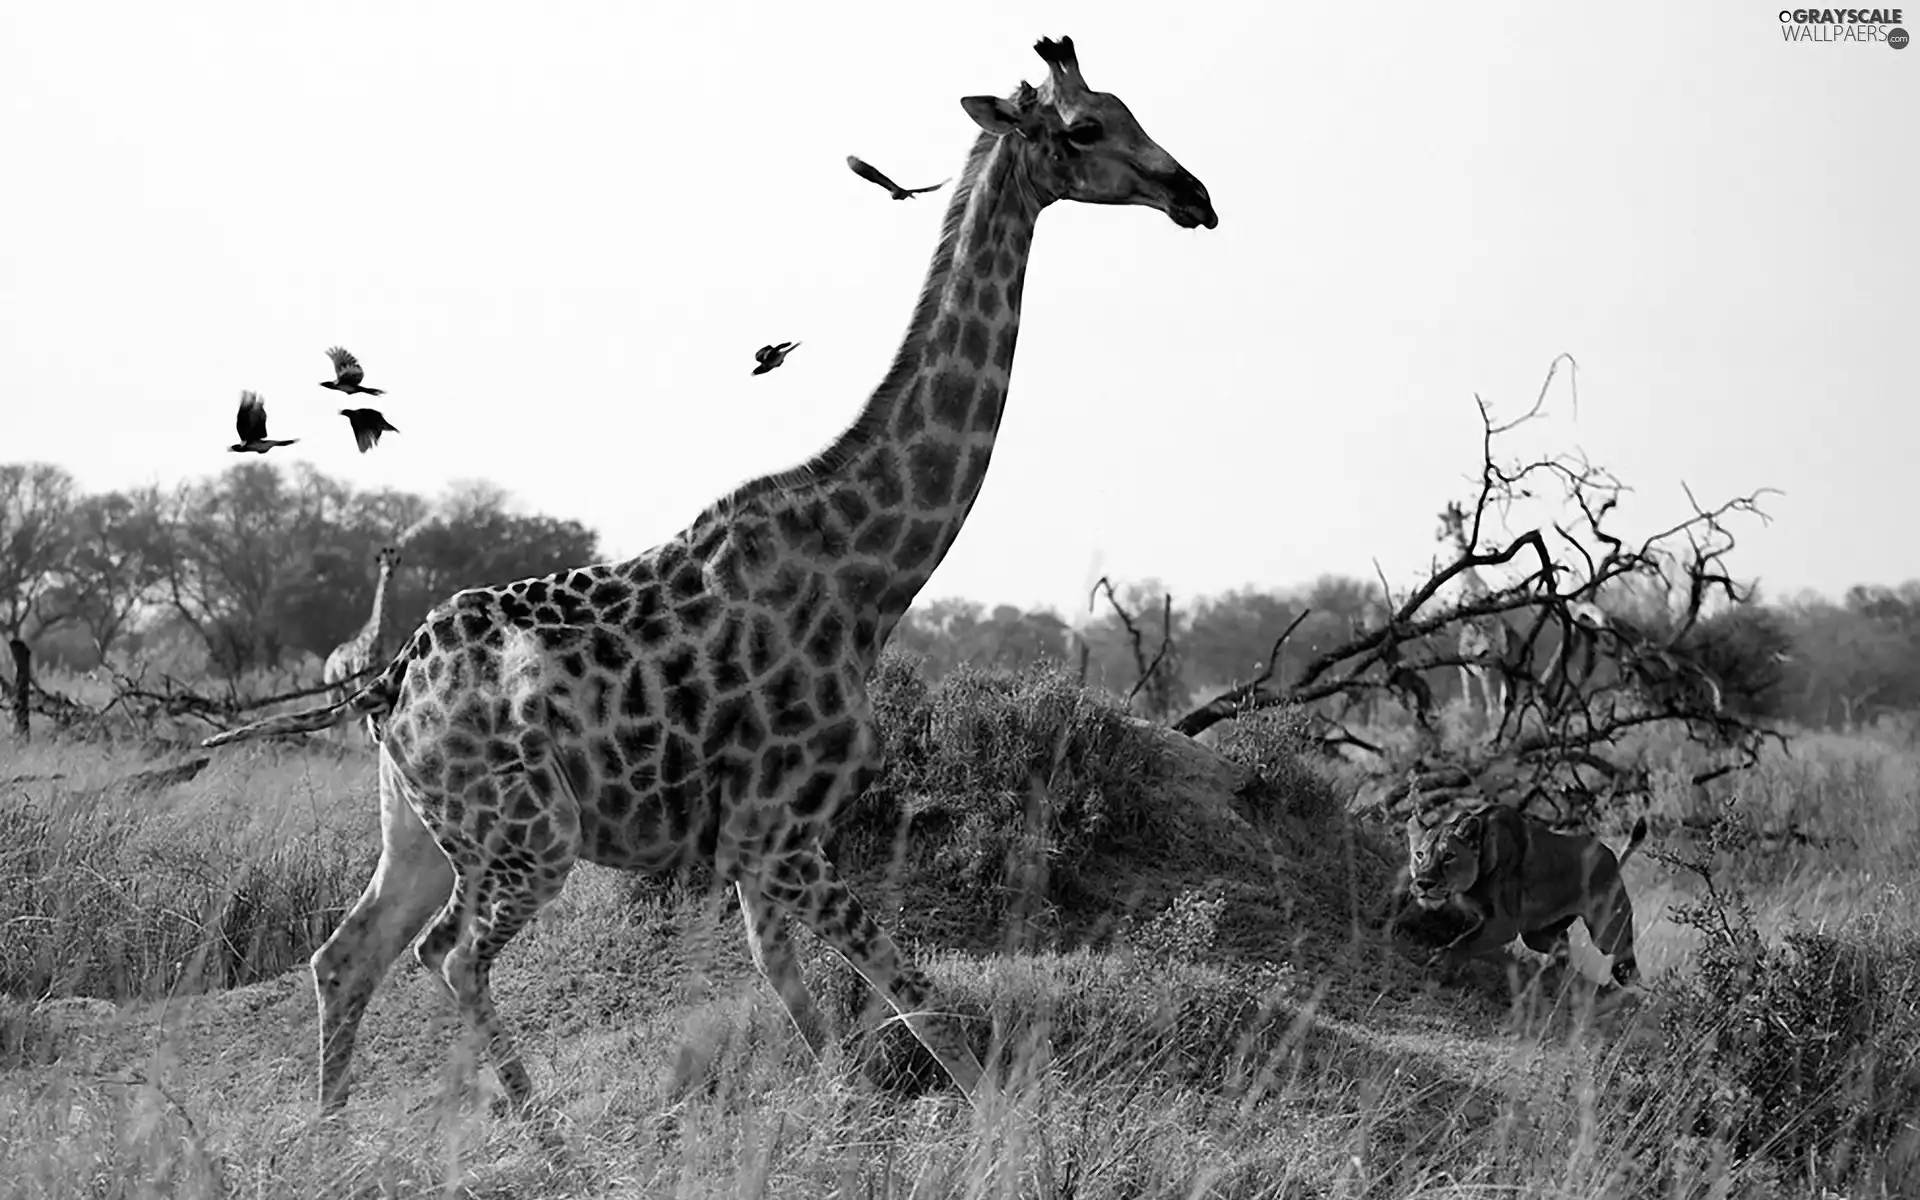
(1007, 780)
(1806, 1053)
(1185, 932)
(1277, 745)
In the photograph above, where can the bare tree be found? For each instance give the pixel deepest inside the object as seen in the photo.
(1580, 675)
(1156, 672)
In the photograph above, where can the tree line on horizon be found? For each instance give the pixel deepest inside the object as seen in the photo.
(267, 568)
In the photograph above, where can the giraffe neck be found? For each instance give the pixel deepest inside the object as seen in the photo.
(376, 624)
(903, 476)
(1473, 585)
(928, 432)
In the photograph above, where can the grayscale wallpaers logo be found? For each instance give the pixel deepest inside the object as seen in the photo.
(1843, 25)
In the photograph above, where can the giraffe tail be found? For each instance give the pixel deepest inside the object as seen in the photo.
(305, 721)
(376, 698)
(1634, 839)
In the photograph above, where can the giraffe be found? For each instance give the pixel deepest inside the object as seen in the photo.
(1483, 643)
(707, 699)
(368, 647)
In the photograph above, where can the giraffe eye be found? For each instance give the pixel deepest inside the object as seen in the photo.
(1085, 133)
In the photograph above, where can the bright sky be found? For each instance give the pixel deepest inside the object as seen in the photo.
(557, 233)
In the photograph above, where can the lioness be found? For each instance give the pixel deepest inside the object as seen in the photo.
(1513, 875)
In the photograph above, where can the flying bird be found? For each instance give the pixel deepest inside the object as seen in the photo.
(368, 424)
(770, 357)
(347, 374)
(870, 173)
(252, 424)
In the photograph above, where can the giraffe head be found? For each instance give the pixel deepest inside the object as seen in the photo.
(388, 558)
(1078, 144)
(1453, 525)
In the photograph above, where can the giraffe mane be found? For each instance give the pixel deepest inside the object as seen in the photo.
(906, 360)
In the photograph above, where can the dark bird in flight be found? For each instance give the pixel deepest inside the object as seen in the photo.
(347, 374)
(252, 424)
(871, 174)
(368, 424)
(770, 357)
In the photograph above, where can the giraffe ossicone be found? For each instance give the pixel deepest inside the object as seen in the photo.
(707, 699)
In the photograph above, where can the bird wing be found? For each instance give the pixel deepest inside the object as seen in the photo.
(871, 173)
(365, 432)
(346, 368)
(787, 348)
(252, 419)
(934, 188)
(368, 424)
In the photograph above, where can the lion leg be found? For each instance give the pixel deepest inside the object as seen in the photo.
(1551, 940)
(1610, 922)
(1466, 947)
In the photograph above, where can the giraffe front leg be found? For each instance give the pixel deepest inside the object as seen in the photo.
(770, 940)
(412, 879)
(804, 886)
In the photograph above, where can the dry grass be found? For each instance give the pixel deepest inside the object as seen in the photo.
(1190, 1008)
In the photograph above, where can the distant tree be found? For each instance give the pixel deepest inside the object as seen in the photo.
(1746, 649)
(36, 500)
(1865, 653)
(333, 598)
(115, 563)
(949, 631)
(1230, 634)
(240, 549)
(475, 541)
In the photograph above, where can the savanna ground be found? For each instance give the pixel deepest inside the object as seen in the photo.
(1167, 949)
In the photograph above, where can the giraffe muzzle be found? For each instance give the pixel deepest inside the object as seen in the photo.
(1187, 200)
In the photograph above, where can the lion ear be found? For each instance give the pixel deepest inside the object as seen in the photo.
(1471, 828)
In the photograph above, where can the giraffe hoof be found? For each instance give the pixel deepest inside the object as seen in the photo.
(523, 1109)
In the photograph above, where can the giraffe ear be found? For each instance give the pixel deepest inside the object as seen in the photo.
(992, 114)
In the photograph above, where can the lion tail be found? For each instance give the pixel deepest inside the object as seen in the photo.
(1634, 839)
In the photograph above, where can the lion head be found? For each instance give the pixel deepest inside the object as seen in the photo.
(1443, 860)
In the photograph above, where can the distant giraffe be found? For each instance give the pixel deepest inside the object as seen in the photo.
(1483, 643)
(707, 700)
(370, 646)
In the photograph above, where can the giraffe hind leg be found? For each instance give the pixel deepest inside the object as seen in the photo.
(499, 887)
(770, 940)
(410, 882)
